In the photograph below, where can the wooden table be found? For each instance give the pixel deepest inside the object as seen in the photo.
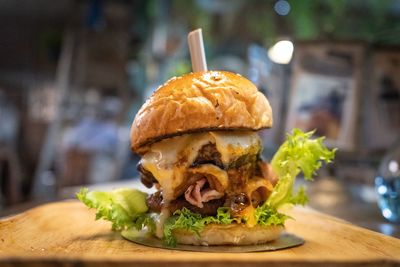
(65, 234)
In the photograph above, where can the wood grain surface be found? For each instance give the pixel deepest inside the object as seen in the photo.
(65, 234)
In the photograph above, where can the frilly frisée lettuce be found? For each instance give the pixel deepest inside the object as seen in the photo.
(187, 220)
(126, 208)
(299, 153)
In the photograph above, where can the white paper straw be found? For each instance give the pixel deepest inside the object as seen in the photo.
(196, 47)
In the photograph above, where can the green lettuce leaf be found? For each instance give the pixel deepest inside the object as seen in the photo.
(299, 153)
(124, 208)
(266, 215)
(193, 222)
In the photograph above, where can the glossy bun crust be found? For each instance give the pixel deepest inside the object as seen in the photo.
(231, 234)
(201, 101)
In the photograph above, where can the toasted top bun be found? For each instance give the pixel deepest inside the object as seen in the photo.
(231, 234)
(201, 101)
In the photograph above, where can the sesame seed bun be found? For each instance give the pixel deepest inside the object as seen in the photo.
(201, 101)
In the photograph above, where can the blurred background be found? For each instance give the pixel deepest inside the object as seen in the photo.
(73, 74)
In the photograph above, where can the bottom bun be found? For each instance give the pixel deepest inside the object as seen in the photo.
(232, 234)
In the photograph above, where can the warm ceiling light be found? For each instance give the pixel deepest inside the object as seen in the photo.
(281, 52)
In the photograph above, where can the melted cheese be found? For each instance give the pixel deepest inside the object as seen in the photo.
(231, 145)
(252, 185)
(167, 160)
(257, 182)
(217, 172)
(160, 222)
(249, 214)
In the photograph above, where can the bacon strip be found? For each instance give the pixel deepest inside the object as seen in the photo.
(192, 194)
(210, 194)
(196, 197)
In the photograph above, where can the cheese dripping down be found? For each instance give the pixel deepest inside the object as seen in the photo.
(168, 159)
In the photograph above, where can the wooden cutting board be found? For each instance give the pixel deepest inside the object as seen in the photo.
(65, 234)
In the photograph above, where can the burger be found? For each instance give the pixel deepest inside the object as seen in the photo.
(197, 137)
